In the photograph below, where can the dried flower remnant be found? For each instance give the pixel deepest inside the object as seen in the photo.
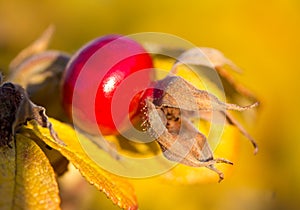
(10, 100)
(16, 109)
(168, 122)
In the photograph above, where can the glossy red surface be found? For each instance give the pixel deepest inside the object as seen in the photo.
(101, 82)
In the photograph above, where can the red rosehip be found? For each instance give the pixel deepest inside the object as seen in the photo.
(95, 92)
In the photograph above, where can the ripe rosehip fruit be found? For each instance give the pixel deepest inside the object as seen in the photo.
(94, 88)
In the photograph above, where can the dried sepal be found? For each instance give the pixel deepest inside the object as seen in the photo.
(213, 58)
(231, 120)
(177, 92)
(16, 110)
(39, 72)
(179, 140)
(175, 101)
(232, 87)
(37, 46)
(40, 76)
(204, 56)
(35, 72)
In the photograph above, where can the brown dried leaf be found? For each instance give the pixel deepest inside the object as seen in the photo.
(231, 120)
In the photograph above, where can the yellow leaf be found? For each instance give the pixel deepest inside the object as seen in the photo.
(27, 180)
(56, 159)
(116, 188)
(7, 175)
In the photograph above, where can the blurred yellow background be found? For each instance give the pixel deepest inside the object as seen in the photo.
(262, 37)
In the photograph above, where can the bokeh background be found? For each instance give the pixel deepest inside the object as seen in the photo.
(262, 37)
